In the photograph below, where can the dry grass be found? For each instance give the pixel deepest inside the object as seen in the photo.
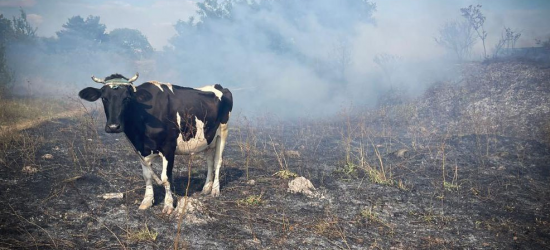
(142, 235)
(285, 174)
(20, 110)
(252, 200)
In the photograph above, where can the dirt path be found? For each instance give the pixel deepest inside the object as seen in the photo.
(34, 123)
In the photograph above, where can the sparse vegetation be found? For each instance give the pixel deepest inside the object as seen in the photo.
(251, 200)
(457, 37)
(476, 19)
(285, 174)
(143, 235)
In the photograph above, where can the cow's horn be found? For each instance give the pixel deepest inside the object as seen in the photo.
(134, 78)
(102, 81)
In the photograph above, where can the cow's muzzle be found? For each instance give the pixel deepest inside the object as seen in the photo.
(113, 128)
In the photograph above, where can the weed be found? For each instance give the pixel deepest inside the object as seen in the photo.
(378, 177)
(285, 174)
(349, 169)
(251, 200)
(143, 235)
(369, 215)
(247, 141)
(401, 185)
(450, 186)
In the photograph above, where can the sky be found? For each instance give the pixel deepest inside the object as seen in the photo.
(416, 21)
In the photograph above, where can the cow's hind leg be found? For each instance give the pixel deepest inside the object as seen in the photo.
(220, 144)
(209, 155)
(149, 197)
(166, 177)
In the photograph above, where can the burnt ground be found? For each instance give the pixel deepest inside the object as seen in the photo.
(376, 188)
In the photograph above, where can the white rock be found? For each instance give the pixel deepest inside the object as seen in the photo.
(301, 185)
(108, 196)
(195, 211)
(47, 157)
(29, 170)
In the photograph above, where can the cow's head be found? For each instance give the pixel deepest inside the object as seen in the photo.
(117, 94)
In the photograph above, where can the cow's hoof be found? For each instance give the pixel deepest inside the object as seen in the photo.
(215, 192)
(146, 203)
(207, 189)
(168, 209)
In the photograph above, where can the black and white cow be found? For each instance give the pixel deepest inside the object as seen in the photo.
(164, 120)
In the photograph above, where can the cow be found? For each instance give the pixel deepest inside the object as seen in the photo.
(164, 120)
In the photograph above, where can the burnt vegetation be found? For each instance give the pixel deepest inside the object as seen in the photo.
(454, 168)
(463, 165)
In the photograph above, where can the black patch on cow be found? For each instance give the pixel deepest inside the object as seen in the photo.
(90, 94)
(143, 96)
(188, 125)
(226, 105)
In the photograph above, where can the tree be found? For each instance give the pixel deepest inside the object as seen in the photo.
(17, 30)
(130, 42)
(476, 19)
(6, 74)
(457, 37)
(507, 40)
(22, 29)
(6, 30)
(78, 32)
(212, 9)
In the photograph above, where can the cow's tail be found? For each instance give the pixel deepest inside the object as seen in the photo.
(226, 104)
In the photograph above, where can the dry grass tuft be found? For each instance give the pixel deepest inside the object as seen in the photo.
(252, 200)
(285, 174)
(143, 235)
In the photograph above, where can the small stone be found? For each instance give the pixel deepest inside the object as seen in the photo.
(47, 157)
(402, 153)
(292, 154)
(108, 196)
(29, 170)
(502, 168)
(251, 182)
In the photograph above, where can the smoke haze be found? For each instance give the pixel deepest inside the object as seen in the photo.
(290, 58)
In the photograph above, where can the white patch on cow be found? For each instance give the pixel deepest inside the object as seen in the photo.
(211, 88)
(163, 175)
(168, 200)
(148, 198)
(159, 85)
(169, 85)
(195, 144)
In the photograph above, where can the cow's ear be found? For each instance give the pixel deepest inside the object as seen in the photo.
(143, 95)
(90, 94)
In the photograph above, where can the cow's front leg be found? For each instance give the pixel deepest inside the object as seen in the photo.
(149, 197)
(166, 177)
